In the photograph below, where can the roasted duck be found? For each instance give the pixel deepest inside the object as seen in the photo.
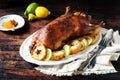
(66, 27)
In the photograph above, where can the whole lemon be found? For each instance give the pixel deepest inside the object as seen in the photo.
(42, 12)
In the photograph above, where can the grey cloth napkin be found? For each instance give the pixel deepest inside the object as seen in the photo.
(103, 62)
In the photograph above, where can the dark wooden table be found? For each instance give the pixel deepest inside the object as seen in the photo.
(13, 67)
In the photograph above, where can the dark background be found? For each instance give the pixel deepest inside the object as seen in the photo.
(103, 8)
(90, 3)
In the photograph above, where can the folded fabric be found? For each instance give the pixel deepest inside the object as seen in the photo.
(103, 62)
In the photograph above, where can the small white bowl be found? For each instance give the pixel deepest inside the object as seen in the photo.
(15, 17)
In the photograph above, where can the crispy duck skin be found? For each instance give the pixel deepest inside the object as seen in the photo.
(67, 26)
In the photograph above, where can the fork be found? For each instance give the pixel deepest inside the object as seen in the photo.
(103, 44)
(92, 60)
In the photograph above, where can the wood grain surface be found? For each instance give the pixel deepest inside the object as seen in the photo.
(13, 67)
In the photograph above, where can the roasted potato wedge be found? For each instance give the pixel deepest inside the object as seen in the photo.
(57, 55)
(89, 39)
(94, 39)
(83, 42)
(75, 46)
(96, 31)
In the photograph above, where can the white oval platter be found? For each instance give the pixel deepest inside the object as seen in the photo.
(25, 53)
